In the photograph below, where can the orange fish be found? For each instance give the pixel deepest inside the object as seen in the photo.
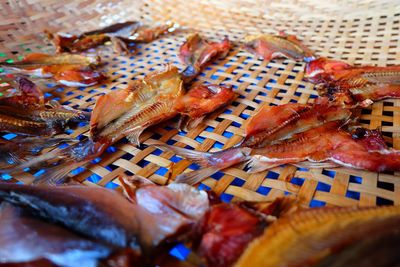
(67, 69)
(268, 47)
(202, 100)
(128, 112)
(340, 236)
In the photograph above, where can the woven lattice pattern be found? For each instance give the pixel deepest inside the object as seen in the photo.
(360, 32)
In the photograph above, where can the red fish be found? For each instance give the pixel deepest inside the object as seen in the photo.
(197, 52)
(269, 47)
(202, 100)
(354, 85)
(270, 125)
(273, 123)
(327, 143)
(147, 34)
(67, 69)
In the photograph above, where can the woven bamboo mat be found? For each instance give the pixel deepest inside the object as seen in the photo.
(360, 32)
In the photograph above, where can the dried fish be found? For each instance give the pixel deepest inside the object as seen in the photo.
(200, 101)
(329, 237)
(273, 123)
(268, 126)
(329, 142)
(67, 69)
(147, 34)
(128, 112)
(197, 52)
(27, 113)
(85, 210)
(354, 85)
(157, 215)
(24, 238)
(73, 43)
(120, 34)
(268, 47)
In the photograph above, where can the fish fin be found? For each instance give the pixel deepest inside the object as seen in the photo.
(193, 123)
(131, 183)
(197, 157)
(134, 136)
(317, 165)
(119, 45)
(186, 123)
(109, 107)
(195, 177)
(389, 77)
(58, 174)
(257, 164)
(33, 161)
(53, 104)
(29, 147)
(69, 158)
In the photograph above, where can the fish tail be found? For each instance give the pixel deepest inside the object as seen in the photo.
(58, 163)
(58, 174)
(211, 162)
(196, 177)
(73, 157)
(34, 145)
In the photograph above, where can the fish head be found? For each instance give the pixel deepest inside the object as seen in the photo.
(322, 69)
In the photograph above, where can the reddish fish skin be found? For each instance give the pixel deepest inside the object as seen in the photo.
(204, 99)
(24, 238)
(325, 70)
(197, 52)
(226, 230)
(322, 69)
(270, 47)
(268, 126)
(330, 143)
(354, 85)
(273, 123)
